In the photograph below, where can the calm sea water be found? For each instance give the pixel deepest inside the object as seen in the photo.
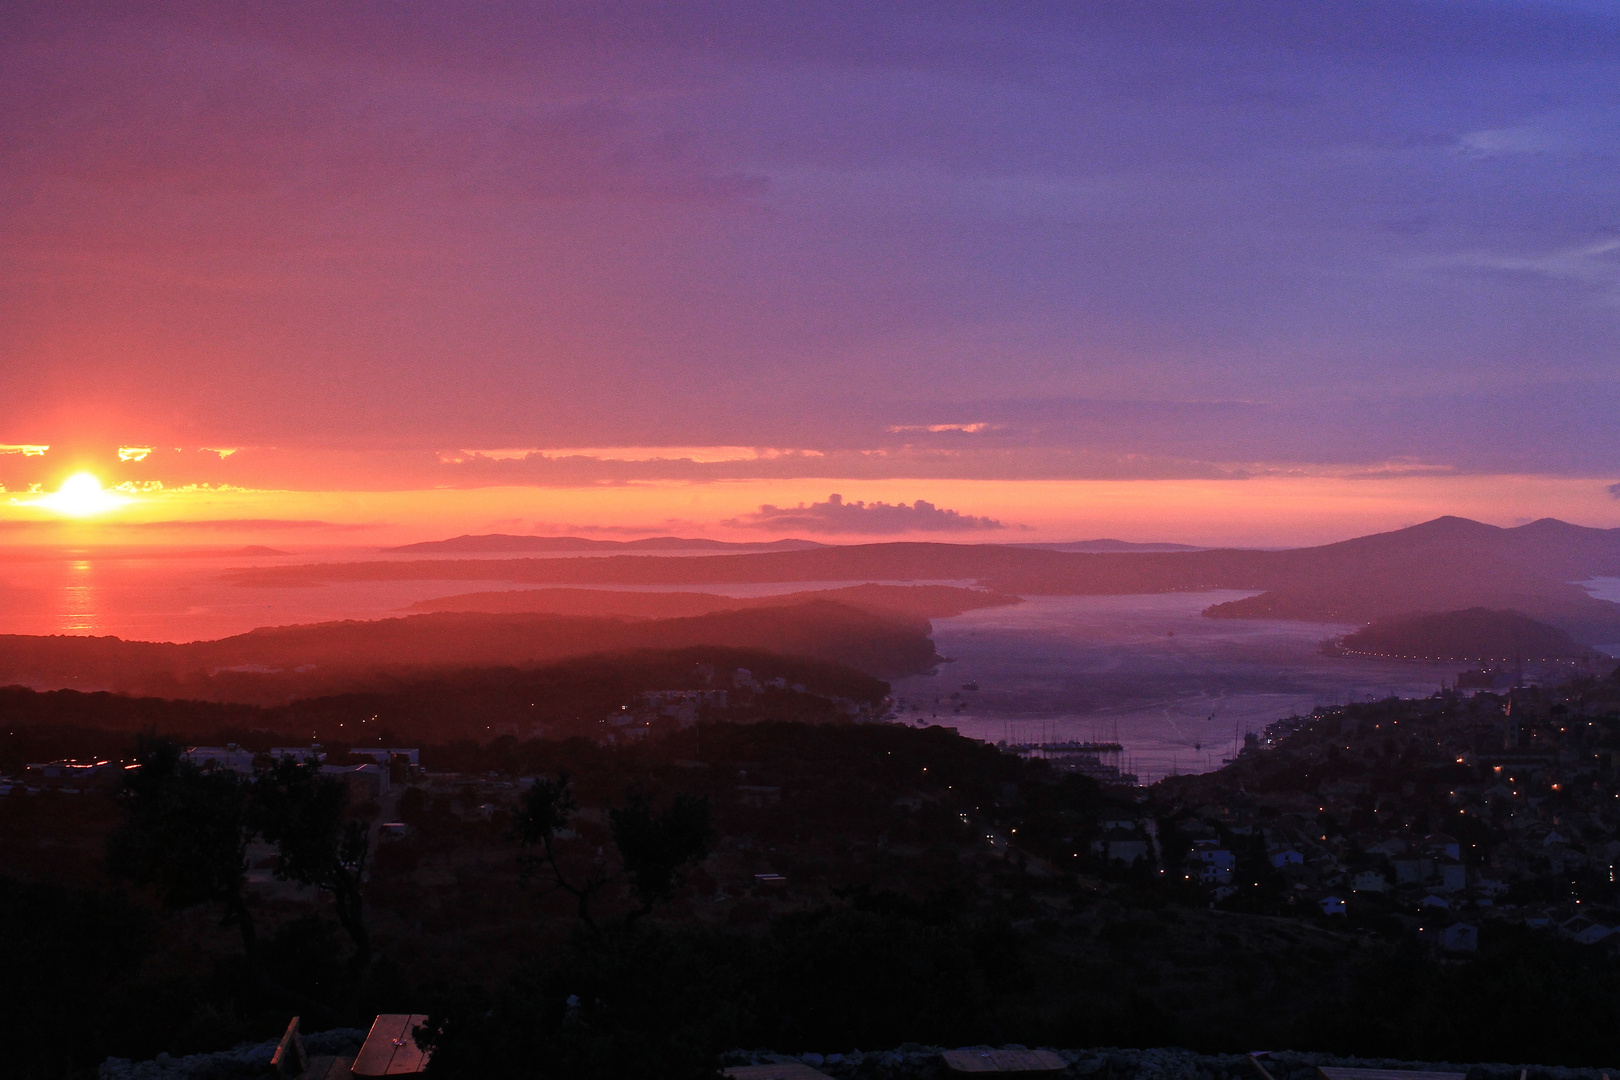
(1176, 689)
(189, 599)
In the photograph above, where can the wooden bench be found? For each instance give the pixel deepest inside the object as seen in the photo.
(328, 1067)
(390, 1048)
(289, 1058)
(293, 1062)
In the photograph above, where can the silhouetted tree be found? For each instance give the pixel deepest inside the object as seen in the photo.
(186, 833)
(656, 848)
(546, 811)
(301, 812)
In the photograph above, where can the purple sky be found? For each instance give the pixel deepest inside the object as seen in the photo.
(1115, 240)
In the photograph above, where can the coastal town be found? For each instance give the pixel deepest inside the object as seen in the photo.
(1431, 817)
(1439, 815)
(1462, 828)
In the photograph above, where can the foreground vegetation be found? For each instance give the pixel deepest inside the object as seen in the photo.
(916, 886)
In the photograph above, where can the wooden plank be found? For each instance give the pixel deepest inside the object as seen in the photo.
(390, 1048)
(1003, 1061)
(378, 1049)
(328, 1067)
(1334, 1073)
(408, 1057)
(791, 1070)
(289, 1059)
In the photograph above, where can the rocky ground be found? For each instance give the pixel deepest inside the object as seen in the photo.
(249, 1061)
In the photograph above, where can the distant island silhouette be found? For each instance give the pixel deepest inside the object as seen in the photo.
(508, 542)
(1447, 564)
(1473, 635)
(252, 550)
(907, 601)
(1109, 545)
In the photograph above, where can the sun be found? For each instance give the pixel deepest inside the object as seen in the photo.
(81, 496)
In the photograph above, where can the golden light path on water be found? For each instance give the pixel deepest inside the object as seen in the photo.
(80, 601)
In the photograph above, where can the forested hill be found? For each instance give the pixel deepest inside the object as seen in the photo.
(1475, 635)
(280, 664)
(564, 699)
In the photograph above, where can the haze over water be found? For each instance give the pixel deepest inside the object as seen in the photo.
(191, 599)
(1176, 689)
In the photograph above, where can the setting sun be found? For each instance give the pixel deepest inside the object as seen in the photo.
(80, 496)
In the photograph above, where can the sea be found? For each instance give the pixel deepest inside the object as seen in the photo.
(1176, 690)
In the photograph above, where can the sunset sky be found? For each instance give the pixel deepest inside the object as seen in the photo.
(1213, 272)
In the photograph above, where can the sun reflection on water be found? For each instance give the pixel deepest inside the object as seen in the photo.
(81, 600)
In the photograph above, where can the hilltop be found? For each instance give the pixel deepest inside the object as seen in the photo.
(1474, 635)
(906, 601)
(563, 699)
(278, 664)
(1109, 545)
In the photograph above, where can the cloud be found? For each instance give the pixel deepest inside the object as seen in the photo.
(1524, 139)
(706, 455)
(1596, 263)
(837, 516)
(935, 429)
(1614, 489)
(879, 461)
